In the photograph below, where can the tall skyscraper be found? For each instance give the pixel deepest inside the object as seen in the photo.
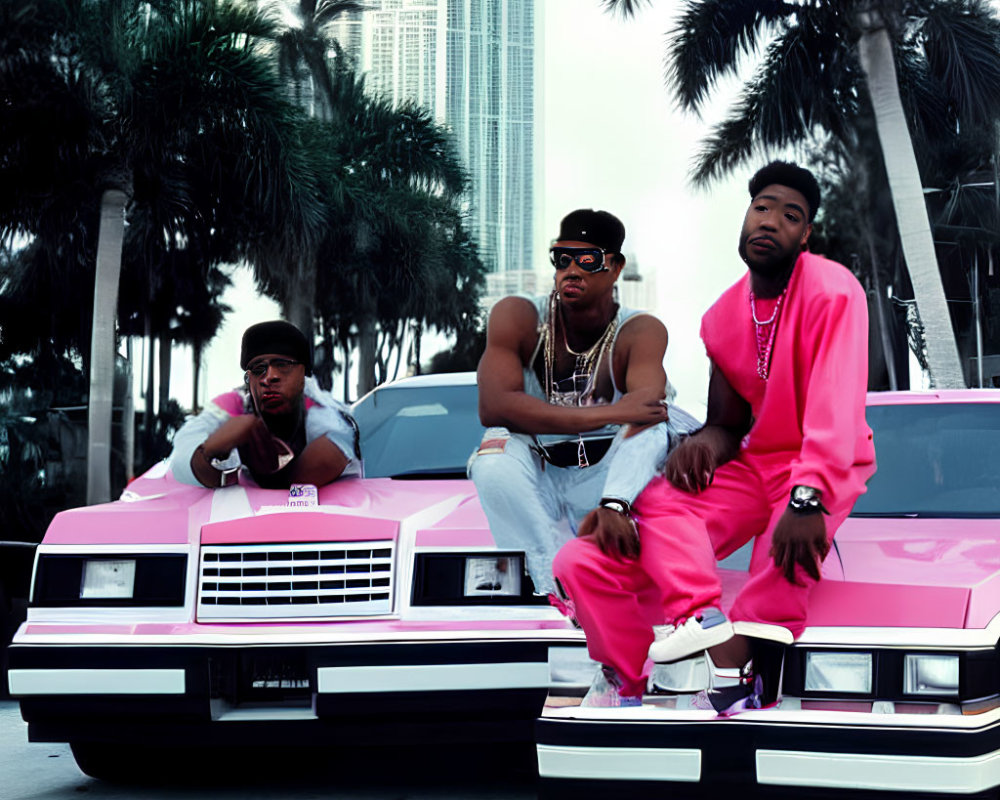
(472, 64)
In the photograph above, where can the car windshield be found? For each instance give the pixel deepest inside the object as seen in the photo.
(418, 430)
(935, 460)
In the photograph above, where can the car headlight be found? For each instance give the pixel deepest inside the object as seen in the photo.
(126, 579)
(107, 578)
(471, 579)
(844, 673)
(935, 675)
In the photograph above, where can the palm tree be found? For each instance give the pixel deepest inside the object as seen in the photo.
(827, 65)
(395, 230)
(304, 47)
(179, 120)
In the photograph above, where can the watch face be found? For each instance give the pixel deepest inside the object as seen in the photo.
(803, 494)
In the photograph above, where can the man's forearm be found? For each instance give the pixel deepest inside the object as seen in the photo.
(204, 471)
(322, 462)
(522, 413)
(724, 442)
(634, 462)
(193, 434)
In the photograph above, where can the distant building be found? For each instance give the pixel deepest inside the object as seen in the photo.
(472, 64)
(634, 289)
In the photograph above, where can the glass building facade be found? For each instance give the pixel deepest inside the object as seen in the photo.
(472, 64)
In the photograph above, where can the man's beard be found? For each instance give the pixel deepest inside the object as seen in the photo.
(772, 267)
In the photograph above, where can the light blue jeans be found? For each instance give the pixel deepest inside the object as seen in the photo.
(536, 507)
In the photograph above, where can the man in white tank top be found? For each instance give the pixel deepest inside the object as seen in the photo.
(572, 391)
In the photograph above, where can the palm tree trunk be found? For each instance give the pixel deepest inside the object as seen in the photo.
(102, 345)
(366, 354)
(196, 363)
(347, 370)
(147, 414)
(875, 51)
(888, 350)
(166, 351)
(418, 331)
(299, 304)
(128, 416)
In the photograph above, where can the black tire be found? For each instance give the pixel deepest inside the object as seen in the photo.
(7, 628)
(114, 763)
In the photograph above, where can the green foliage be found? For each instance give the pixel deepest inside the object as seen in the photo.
(178, 104)
(807, 90)
(191, 108)
(807, 82)
(33, 487)
(463, 357)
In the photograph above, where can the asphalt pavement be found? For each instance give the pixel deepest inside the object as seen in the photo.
(44, 771)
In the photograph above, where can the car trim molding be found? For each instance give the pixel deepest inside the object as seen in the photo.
(432, 677)
(25, 682)
(951, 775)
(269, 636)
(679, 764)
(777, 718)
(924, 638)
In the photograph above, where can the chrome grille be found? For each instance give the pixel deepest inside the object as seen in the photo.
(293, 581)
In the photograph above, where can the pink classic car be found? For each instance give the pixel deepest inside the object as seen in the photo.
(368, 611)
(894, 688)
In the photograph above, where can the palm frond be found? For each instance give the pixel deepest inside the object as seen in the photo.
(709, 39)
(792, 95)
(627, 8)
(961, 41)
(328, 11)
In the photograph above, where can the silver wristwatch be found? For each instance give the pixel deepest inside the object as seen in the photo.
(805, 500)
(228, 475)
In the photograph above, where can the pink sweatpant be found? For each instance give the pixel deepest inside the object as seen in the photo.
(617, 601)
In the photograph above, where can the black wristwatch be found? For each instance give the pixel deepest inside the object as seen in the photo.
(806, 500)
(615, 504)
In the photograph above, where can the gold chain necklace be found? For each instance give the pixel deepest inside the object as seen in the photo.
(586, 362)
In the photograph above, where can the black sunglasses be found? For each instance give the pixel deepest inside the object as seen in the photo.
(282, 365)
(589, 259)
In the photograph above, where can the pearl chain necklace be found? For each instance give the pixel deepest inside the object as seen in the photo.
(764, 333)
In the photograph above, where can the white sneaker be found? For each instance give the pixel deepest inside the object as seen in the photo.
(696, 634)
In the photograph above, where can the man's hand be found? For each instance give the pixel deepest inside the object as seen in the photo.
(643, 406)
(692, 465)
(234, 432)
(799, 539)
(614, 533)
(261, 450)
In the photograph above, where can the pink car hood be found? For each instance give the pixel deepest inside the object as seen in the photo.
(156, 509)
(911, 572)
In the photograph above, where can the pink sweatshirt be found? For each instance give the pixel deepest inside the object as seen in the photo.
(811, 410)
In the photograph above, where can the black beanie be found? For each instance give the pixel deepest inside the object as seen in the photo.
(278, 337)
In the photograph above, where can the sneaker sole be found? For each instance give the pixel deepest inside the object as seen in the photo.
(661, 653)
(762, 630)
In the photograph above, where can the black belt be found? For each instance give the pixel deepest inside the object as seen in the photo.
(567, 454)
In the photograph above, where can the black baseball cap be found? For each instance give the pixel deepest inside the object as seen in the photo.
(594, 227)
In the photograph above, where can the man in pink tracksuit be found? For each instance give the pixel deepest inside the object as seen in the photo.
(784, 454)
